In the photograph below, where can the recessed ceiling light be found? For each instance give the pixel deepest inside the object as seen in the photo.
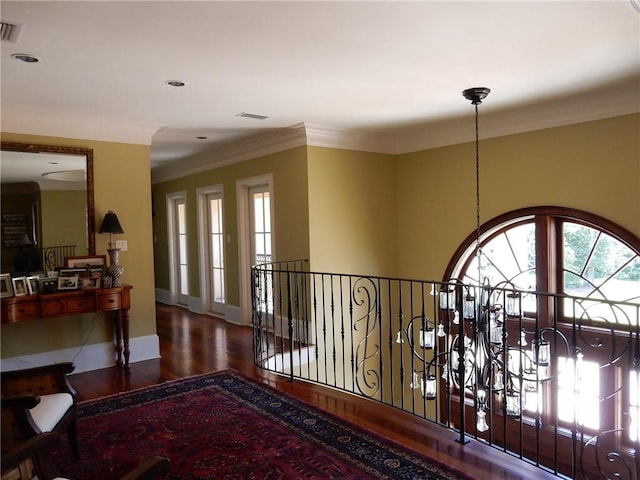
(175, 83)
(24, 57)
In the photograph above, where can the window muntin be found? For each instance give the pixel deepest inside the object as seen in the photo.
(579, 385)
(216, 245)
(182, 247)
(634, 406)
(597, 265)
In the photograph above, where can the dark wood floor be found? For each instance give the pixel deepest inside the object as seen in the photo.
(191, 344)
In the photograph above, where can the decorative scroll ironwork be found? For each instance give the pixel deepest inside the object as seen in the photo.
(53, 257)
(365, 295)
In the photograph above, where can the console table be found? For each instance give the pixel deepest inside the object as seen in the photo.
(116, 300)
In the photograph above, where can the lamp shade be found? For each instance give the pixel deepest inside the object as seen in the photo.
(110, 224)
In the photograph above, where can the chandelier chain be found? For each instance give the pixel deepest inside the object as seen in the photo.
(477, 192)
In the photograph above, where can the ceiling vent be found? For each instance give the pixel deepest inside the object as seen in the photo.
(255, 116)
(10, 32)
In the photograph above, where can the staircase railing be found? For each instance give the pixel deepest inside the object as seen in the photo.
(551, 379)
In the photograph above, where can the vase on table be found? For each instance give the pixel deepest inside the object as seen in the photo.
(115, 269)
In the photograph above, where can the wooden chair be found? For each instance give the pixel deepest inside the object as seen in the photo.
(38, 400)
(30, 461)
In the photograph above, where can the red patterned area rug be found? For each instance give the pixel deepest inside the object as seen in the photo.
(226, 426)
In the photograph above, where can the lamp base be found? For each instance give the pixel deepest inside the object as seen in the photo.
(115, 269)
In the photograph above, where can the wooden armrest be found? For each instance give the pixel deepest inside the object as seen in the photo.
(63, 368)
(149, 469)
(17, 423)
(38, 380)
(20, 403)
(28, 449)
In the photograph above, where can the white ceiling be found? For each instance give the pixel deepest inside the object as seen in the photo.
(22, 167)
(393, 70)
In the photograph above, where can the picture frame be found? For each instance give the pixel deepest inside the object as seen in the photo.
(89, 283)
(68, 283)
(97, 271)
(6, 287)
(107, 281)
(85, 260)
(71, 272)
(20, 287)
(33, 284)
(49, 285)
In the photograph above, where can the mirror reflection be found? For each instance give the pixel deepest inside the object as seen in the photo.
(47, 206)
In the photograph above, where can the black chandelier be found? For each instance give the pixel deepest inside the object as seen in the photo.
(473, 354)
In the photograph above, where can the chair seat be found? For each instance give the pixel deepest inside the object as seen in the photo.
(50, 410)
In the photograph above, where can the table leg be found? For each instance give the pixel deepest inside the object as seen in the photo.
(117, 317)
(125, 335)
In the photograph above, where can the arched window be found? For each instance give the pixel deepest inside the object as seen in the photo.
(555, 250)
(581, 259)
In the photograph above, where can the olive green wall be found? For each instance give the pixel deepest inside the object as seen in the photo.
(290, 203)
(64, 216)
(593, 166)
(405, 215)
(122, 183)
(352, 212)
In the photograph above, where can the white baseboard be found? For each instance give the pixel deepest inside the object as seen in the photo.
(195, 305)
(163, 296)
(281, 329)
(231, 314)
(282, 361)
(89, 357)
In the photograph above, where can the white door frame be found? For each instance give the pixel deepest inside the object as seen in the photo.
(244, 238)
(204, 259)
(174, 290)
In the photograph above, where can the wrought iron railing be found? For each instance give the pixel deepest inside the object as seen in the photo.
(53, 257)
(553, 380)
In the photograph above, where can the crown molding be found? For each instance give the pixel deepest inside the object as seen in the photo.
(299, 135)
(614, 100)
(239, 151)
(348, 139)
(77, 126)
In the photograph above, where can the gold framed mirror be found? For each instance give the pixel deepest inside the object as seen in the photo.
(38, 156)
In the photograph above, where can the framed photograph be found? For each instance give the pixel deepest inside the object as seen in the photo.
(48, 285)
(71, 272)
(6, 287)
(33, 284)
(90, 282)
(86, 260)
(67, 283)
(107, 281)
(97, 271)
(20, 286)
